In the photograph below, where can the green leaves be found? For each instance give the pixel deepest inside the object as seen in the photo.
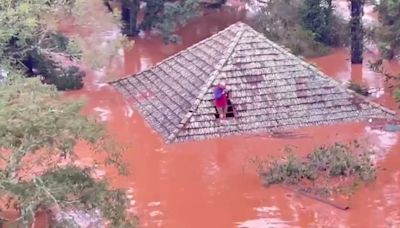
(32, 116)
(388, 34)
(324, 165)
(28, 27)
(37, 127)
(317, 17)
(307, 27)
(166, 16)
(20, 22)
(176, 14)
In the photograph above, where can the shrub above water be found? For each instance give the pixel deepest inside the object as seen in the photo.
(70, 78)
(358, 88)
(64, 78)
(291, 171)
(339, 160)
(322, 165)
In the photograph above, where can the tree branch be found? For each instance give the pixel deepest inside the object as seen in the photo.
(48, 193)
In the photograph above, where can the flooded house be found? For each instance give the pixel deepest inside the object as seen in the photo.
(270, 88)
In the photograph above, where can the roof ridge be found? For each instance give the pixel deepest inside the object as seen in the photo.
(311, 67)
(210, 80)
(180, 52)
(187, 112)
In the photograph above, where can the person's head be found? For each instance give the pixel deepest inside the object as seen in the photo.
(221, 84)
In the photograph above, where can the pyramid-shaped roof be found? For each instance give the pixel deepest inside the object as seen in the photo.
(271, 89)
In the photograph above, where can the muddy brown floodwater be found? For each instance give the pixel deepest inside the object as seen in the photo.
(210, 184)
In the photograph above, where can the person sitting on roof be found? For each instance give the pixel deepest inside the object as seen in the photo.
(221, 99)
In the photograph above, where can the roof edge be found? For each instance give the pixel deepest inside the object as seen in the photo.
(320, 73)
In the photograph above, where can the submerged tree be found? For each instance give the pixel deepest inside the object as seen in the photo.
(306, 27)
(163, 16)
(317, 17)
(28, 37)
(152, 13)
(388, 38)
(357, 32)
(174, 15)
(38, 130)
(130, 10)
(389, 30)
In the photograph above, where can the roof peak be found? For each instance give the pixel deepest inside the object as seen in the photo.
(271, 88)
(213, 76)
(238, 24)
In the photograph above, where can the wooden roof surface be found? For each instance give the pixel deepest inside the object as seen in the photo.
(270, 88)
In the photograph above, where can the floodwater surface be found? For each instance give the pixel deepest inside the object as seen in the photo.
(212, 183)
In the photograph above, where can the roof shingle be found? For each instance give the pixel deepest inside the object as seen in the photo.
(270, 88)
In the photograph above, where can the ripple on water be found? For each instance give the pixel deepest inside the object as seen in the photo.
(391, 192)
(161, 150)
(154, 204)
(265, 222)
(268, 210)
(155, 214)
(132, 202)
(103, 113)
(268, 217)
(393, 219)
(381, 142)
(128, 111)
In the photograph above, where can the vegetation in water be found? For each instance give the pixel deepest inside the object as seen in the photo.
(392, 80)
(39, 131)
(358, 88)
(357, 31)
(176, 14)
(320, 170)
(306, 27)
(28, 38)
(386, 35)
(160, 15)
(317, 16)
(52, 72)
(388, 32)
(397, 95)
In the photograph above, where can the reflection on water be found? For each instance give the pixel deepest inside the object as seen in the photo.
(381, 141)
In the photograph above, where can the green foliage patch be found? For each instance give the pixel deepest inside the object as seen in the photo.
(319, 171)
(358, 88)
(38, 129)
(306, 27)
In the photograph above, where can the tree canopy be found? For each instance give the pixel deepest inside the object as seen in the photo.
(160, 15)
(38, 130)
(28, 37)
(306, 27)
(389, 31)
